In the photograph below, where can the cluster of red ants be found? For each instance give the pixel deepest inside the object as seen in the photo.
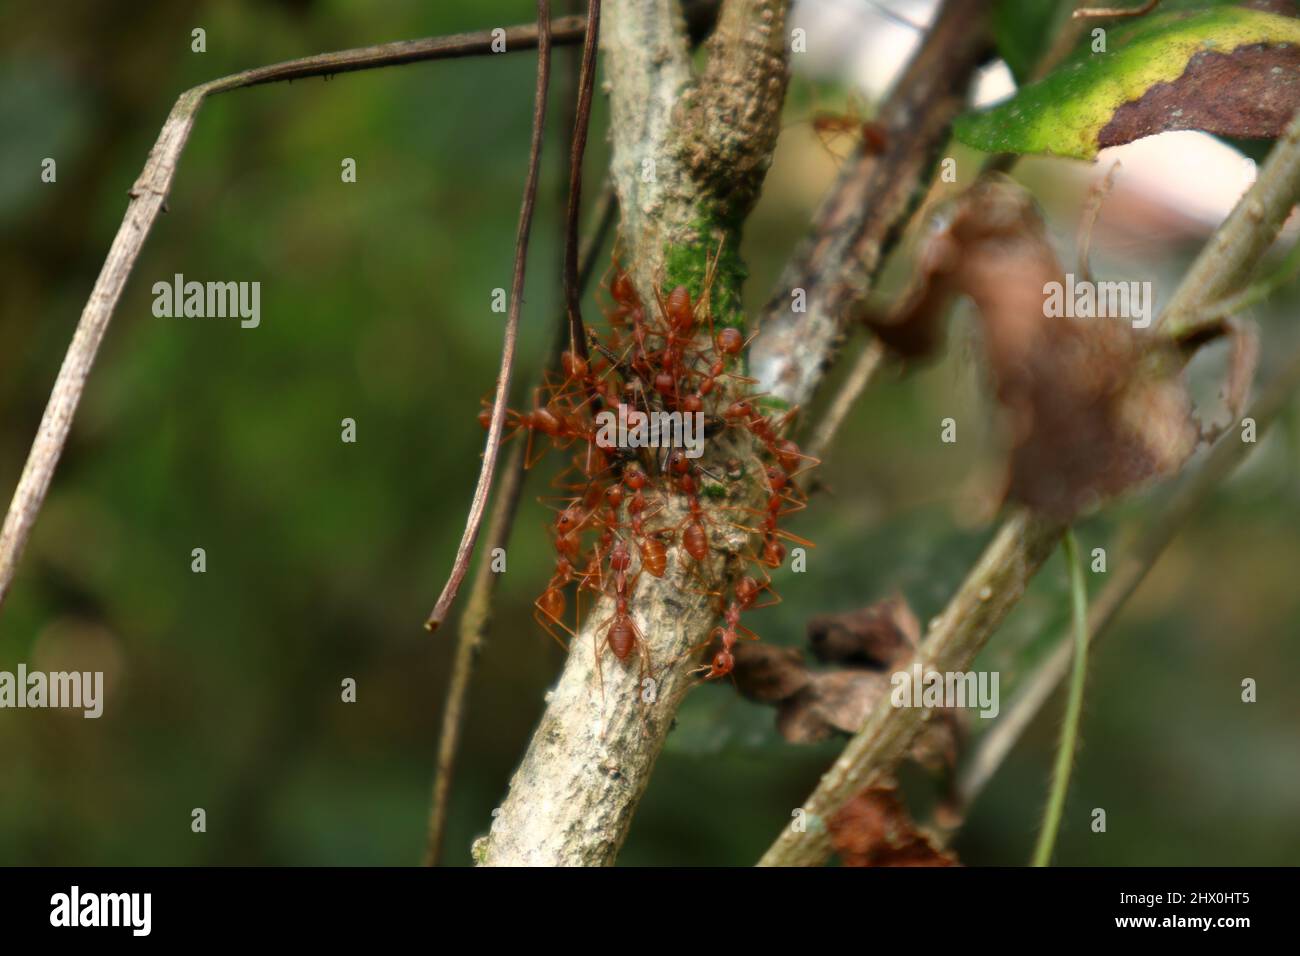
(651, 361)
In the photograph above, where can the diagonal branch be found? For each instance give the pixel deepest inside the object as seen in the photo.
(148, 198)
(867, 208)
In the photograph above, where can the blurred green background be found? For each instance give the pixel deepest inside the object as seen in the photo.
(324, 557)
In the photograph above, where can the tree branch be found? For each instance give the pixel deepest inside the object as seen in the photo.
(498, 423)
(478, 607)
(572, 799)
(573, 210)
(863, 216)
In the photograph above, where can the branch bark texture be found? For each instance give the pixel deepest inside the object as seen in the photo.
(688, 160)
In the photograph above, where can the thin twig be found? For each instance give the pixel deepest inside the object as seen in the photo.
(148, 195)
(481, 492)
(469, 639)
(582, 121)
(1256, 293)
(1088, 221)
(1074, 709)
(846, 397)
(1186, 500)
(478, 606)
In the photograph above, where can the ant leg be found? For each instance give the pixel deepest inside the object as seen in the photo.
(545, 620)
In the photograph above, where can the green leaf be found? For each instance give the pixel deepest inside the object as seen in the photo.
(1065, 114)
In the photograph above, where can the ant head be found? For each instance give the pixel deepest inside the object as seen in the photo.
(740, 409)
(570, 519)
(723, 664)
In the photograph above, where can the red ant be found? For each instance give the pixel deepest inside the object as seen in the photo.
(874, 138)
(550, 606)
(695, 540)
(623, 635)
(744, 595)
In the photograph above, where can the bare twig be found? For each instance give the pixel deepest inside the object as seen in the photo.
(478, 607)
(998, 579)
(1226, 262)
(1122, 581)
(846, 397)
(1088, 221)
(993, 587)
(473, 624)
(582, 121)
(479, 502)
(148, 196)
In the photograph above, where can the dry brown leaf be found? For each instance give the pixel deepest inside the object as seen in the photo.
(1251, 92)
(1093, 406)
(767, 673)
(833, 701)
(877, 636)
(875, 829)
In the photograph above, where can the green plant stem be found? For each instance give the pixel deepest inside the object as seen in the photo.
(1074, 706)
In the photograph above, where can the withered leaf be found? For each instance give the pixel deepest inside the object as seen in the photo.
(1094, 406)
(1098, 409)
(767, 673)
(1251, 92)
(877, 636)
(875, 829)
(831, 702)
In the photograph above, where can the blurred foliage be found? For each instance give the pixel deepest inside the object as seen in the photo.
(323, 558)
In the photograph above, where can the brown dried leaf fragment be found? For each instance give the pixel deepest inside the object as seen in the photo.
(1096, 410)
(1251, 93)
(837, 701)
(769, 674)
(875, 829)
(876, 636)
(1094, 406)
